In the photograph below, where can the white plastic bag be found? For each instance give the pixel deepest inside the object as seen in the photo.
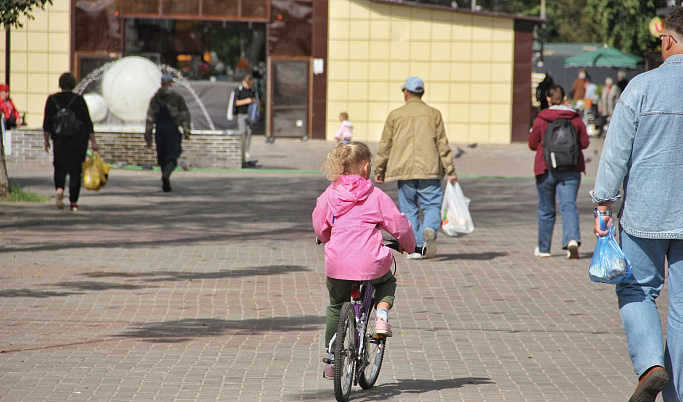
(455, 214)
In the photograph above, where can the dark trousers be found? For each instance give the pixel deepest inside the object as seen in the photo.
(68, 160)
(168, 140)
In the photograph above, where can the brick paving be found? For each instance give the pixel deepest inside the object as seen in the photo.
(215, 291)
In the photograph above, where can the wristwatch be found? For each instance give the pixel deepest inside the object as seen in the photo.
(597, 212)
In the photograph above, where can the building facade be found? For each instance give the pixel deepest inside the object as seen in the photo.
(315, 58)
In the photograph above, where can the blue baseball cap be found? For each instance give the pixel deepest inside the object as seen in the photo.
(167, 78)
(414, 84)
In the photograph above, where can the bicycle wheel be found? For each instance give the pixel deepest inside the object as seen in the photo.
(373, 354)
(345, 353)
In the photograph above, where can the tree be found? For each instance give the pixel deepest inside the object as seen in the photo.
(10, 13)
(623, 24)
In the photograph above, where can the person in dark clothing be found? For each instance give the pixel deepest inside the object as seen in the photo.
(68, 150)
(167, 113)
(622, 81)
(542, 89)
(246, 95)
(564, 184)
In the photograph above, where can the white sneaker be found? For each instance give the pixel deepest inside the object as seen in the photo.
(59, 199)
(414, 256)
(573, 249)
(430, 243)
(538, 253)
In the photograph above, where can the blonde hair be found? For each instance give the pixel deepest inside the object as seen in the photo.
(344, 115)
(346, 159)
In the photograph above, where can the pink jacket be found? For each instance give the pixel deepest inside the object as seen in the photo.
(348, 218)
(345, 131)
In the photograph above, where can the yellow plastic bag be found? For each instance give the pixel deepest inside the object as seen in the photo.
(95, 173)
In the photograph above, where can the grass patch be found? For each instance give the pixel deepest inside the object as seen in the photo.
(19, 195)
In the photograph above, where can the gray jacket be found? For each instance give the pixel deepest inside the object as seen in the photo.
(176, 107)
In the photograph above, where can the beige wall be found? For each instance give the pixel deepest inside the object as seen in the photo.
(39, 55)
(466, 61)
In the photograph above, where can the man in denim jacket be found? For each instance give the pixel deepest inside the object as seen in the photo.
(644, 152)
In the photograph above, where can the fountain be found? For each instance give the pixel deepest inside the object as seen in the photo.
(118, 95)
(126, 86)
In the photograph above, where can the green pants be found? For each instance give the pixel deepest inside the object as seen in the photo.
(340, 293)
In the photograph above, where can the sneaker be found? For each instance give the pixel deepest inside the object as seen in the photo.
(74, 207)
(166, 184)
(414, 256)
(573, 249)
(383, 328)
(430, 243)
(650, 385)
(538, 253)
(329, 371)
(59, 199)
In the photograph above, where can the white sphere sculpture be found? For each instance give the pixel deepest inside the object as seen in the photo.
(128, 85)
(97, 106)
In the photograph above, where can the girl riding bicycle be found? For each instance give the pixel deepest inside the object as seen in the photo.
(348, 219)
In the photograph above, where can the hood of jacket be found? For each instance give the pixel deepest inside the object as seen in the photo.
(558, 112)
(347, 191)
(163, 94)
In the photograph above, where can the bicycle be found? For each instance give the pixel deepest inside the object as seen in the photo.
(356, 349)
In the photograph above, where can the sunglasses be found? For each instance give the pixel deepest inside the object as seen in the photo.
(662, 36)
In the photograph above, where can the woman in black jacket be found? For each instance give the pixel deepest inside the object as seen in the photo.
(69, 149)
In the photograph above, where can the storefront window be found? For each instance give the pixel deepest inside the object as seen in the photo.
(141, 7)
(216, 8)
(98, 27)
(181, 7)
(226, 9)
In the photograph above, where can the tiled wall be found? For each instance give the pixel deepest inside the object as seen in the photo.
(204, 150)
(466, 61)
(39, 54)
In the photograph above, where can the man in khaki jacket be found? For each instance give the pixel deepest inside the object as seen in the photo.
(414, 151)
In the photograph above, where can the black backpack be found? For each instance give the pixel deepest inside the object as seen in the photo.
(65, 123)
(561, 145)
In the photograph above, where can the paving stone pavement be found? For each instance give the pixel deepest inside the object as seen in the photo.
(215, 291)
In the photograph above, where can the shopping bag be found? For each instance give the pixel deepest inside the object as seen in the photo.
(609, 263)
(95, 173)
(455, 214)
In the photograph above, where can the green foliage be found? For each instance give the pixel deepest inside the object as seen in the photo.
(623, 24)
(17, 194)
(12, 10)
(568, 21)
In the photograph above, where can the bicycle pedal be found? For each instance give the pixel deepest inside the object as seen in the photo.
(327, 360)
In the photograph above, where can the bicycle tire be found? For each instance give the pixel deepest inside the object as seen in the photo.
(373, 354)
(345, 353)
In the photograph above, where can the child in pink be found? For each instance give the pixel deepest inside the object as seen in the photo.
(348, 218)
(345, 130)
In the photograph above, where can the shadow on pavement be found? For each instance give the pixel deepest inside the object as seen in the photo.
(189, 329)
(384, 392)
(80, 287)
(472, 256)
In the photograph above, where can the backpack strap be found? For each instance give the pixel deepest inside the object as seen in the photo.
(54, 100)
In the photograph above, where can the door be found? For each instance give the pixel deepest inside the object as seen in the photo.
(290, 97)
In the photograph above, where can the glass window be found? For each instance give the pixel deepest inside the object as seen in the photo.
(141, 7)
(254, 9)
(222, 8)
(98, 27)
(186, 7)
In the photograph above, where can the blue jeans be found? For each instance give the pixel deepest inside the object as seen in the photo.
(638, 309)
(566, 186)
(429, 195)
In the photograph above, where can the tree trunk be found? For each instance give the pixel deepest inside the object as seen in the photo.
(4, 179)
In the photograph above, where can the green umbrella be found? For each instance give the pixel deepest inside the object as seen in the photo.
(604, 57)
